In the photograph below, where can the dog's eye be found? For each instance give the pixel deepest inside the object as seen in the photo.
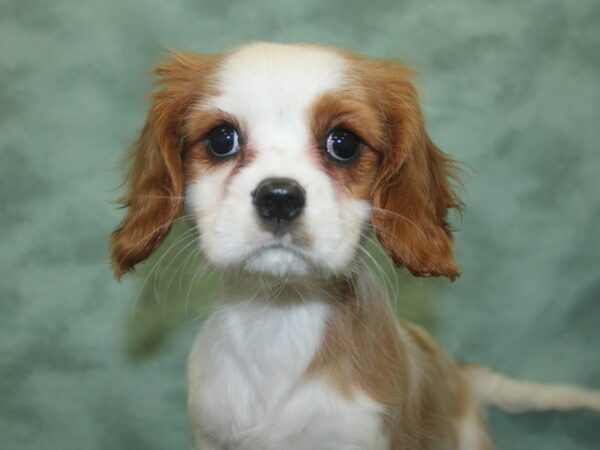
(223, 141)
(342, 145)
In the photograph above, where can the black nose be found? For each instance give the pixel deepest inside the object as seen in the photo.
(279, 200)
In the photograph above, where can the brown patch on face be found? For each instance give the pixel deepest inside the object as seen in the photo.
(197, 157)
(156, 175)
(348, 109)
(411, 192)
(397, 365)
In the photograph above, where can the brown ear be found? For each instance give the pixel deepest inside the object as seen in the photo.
(155, 181)
(412, 192)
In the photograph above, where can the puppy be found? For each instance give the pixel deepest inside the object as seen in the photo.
(288, 157)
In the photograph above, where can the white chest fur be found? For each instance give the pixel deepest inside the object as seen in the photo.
(248, 387)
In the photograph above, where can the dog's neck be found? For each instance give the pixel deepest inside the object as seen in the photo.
(294, 315)
(268, 323)
(281, 291)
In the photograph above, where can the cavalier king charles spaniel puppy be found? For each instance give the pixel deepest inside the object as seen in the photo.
(289, 157)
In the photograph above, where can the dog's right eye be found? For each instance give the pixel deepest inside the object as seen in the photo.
(223, 141)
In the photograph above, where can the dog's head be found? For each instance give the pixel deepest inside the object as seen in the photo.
(286, 156)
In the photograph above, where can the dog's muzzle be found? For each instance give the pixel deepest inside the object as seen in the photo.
(279, 200)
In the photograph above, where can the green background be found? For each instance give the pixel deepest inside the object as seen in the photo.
(511, 89)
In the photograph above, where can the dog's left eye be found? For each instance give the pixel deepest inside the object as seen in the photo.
(342, 145)
(222, 141)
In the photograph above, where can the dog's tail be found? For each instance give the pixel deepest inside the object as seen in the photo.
(516, 396)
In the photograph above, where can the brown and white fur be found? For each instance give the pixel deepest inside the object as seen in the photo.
(303, 350)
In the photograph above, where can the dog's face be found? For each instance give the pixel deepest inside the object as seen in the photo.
(267, 184)
(286, 156)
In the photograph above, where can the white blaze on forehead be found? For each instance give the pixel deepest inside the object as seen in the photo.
(269, 88)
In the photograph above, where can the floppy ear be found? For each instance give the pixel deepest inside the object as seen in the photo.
(412, 192)
(155, 179)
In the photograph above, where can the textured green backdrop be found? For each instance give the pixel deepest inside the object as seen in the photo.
(511, 88)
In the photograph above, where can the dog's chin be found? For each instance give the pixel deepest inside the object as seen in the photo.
(278, 261)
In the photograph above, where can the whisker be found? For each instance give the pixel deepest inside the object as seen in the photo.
(376, 264)
(200, 271)
(151, 233)
(395, 288)
(150, 273)
(387, 234)
(194, 260)
(191, 233)
(200, 308)
(192, 240)
(399, 216)
(193, 255)
(386, 275)
(170, 197)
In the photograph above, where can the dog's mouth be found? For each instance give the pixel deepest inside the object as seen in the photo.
(280, 248)
(279, 259)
